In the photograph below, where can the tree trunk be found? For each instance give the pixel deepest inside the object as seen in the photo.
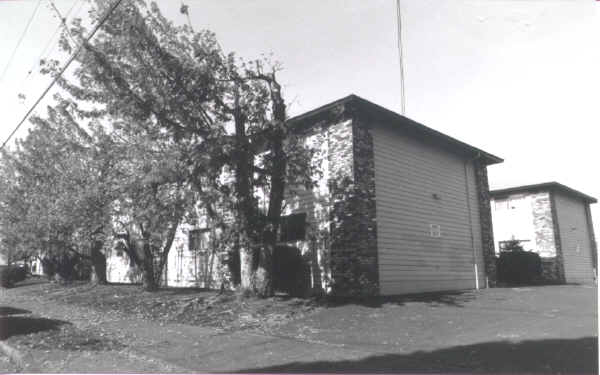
(245, 207)
(263, 276)
(246, 267)
(164, 255)
(149, 281)
(98, 264)
(317, 280)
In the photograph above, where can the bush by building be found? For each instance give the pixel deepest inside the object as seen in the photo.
(9, 275)
(516, 266)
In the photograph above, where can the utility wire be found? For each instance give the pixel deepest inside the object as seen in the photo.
(81, 2)
(400, 56)
(12, 56)
(63, 20)
(64, 68)
(47, 51)
(39, 58)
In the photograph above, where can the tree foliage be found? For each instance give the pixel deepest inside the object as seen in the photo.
(171, 122)
(55, 192)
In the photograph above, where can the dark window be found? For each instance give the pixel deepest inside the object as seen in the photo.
(293, 227)
(195, 240)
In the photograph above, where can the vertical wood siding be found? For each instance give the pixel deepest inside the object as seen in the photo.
(408, 172)
(575, 239)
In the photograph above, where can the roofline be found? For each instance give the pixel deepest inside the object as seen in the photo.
(553, 185)
(368, 106)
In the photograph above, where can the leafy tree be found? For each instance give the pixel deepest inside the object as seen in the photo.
(219, 114)
(254, 102)
(12, 206)
(55, 192)
(154, 195)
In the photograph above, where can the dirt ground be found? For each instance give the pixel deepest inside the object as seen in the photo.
(6, 366)
(224, 311)
(118, 329)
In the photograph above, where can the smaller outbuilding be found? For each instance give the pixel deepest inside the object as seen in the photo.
(552, 220)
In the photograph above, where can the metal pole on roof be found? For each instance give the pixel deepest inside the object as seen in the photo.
(400, 55)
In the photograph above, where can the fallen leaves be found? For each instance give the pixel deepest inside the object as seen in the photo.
(68, 338)
(225, 311)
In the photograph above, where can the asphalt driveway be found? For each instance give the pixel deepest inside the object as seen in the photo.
(550, 329)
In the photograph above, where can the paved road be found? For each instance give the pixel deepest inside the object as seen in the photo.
(541, 329)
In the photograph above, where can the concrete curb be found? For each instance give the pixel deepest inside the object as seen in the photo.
(13, 354)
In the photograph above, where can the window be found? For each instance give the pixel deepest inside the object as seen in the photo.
(293, 227)
(195, 240)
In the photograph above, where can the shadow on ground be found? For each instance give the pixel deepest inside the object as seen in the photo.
(539, 356)
(33, 280)
(454, 298)
(192, 290)
(18, 325)
(7, 310)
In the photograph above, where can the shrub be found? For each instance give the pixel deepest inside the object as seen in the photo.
(5, 281)
(291, 274)
(17, 273)
(519, 267)
(9, 275)
(67, 266)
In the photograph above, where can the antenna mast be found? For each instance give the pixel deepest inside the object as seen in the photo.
(400, 55)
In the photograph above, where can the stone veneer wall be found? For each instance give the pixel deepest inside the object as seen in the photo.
(559, 260)
(487, 233)
(593, 243)
(353, 228)
(545, 243)
(551, 271)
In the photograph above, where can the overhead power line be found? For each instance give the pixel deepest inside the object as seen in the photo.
(12, 55)
(43, 53)
(63, 20)
(47, 51)
(64, 68)
(401, 57)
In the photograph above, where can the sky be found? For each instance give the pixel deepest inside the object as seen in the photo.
(517, 78)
